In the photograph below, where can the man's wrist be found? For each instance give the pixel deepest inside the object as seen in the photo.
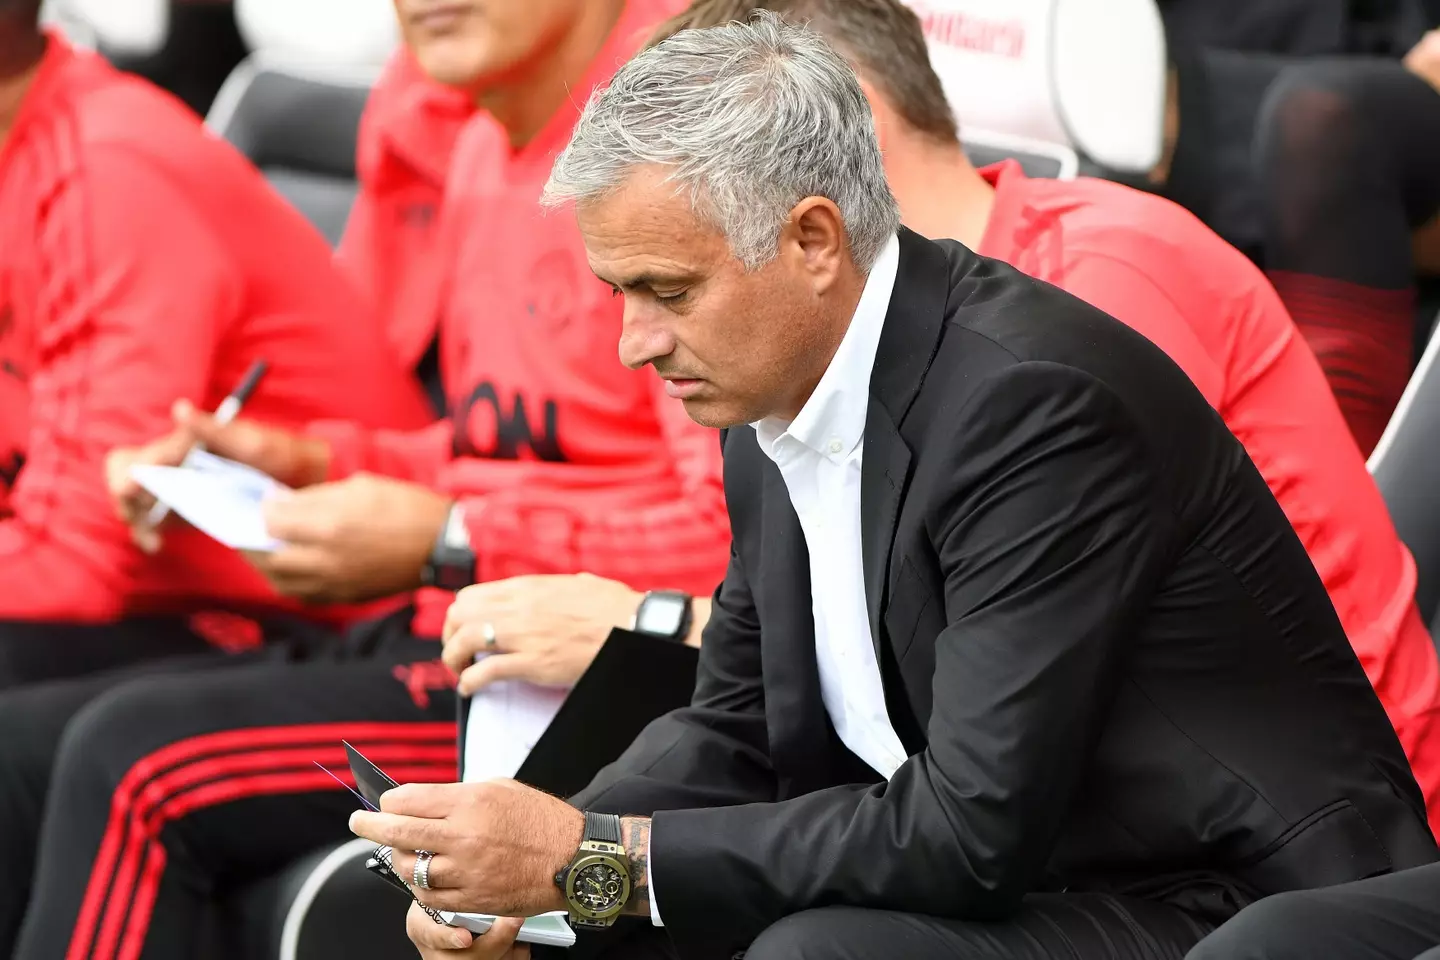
(314, 461)
(635, 838)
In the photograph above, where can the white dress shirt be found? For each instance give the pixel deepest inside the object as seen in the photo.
(819, 455)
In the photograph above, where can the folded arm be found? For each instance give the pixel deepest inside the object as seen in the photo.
(1048, 539)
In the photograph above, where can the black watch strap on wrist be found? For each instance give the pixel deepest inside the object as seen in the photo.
(604, 827)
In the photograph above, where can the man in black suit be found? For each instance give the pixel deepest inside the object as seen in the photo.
(1016, 655)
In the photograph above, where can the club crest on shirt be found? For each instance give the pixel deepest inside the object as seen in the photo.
(554, 289)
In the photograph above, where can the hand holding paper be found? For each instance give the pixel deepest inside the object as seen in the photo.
(218, 497)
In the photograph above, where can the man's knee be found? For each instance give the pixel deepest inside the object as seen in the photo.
(1287, 926)
(118, 736)
(805, 935)
(1310, 115)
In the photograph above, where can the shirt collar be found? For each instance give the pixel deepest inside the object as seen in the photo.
(832, 421)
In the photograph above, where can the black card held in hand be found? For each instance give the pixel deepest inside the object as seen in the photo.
(370, 779)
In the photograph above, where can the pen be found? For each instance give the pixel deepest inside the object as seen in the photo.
(228, 410)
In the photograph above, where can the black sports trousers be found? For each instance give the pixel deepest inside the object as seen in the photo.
(37, 652)
(154, 793)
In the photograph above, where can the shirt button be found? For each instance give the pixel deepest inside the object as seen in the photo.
(835, 446)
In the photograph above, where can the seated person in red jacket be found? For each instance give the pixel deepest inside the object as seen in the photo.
(1143, 260)
(555, 459)
(141, 261)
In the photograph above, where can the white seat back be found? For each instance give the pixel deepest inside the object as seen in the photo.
(324, 38)
(1082, 75)
(129, 28)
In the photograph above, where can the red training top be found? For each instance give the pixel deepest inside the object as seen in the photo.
(1155, 267)
(407, 139)
(566, 461)
(142, 260)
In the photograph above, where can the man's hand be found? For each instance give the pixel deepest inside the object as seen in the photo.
(439, 942)
(546, 628)
(497, 845)
(293, 460)
(1423, 60)
(354, 540)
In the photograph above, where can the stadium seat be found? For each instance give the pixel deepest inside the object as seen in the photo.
(1406, 468)
(188, 48)
(300, 130)
(1083, 80)
(324, 907)
(321, 35)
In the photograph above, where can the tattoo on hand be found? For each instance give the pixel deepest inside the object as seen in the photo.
(635, 835)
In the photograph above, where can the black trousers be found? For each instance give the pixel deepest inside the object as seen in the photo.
(1079, 926)
(168, 790)
(35, 652)
(1392, 917)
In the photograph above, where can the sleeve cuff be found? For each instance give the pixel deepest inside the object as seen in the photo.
(654, 904)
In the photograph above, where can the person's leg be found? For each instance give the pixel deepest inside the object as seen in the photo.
(37, 652)
(1392, 917)
(1348, 155)
(32, 721)
(1048, 927)
(167, 789)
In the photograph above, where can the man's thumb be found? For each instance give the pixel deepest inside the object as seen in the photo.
(497, 666)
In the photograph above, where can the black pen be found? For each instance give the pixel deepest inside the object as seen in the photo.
(228, 410)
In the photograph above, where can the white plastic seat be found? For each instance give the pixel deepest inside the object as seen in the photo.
(1058, 79)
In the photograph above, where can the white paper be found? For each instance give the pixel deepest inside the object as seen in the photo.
(218, 497)
(551, 929)
(506, 720)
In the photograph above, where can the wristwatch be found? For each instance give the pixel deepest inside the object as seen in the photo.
(452, 561)
(665, 613)
(596, 883)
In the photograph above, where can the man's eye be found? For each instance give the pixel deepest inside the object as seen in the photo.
(671, 297)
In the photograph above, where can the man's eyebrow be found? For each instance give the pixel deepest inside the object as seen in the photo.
(646, 281)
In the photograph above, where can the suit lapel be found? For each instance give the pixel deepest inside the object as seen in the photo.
(908, 344)
(884, 469)
(794, 710)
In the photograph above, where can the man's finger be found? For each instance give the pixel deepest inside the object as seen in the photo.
(501, 666)
(428, 935)
(428, 801)
(402, 833)
(459, 651)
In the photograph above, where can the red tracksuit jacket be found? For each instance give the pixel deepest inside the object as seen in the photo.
(407, 139)
(1155, 267)
(566, 461)
(142, 260)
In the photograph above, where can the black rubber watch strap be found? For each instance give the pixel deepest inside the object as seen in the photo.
(602, 826)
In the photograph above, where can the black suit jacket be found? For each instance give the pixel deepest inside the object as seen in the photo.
(1101, 642)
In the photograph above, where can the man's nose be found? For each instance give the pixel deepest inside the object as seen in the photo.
(642, 342)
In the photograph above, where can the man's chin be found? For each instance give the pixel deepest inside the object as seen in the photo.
(713, 413)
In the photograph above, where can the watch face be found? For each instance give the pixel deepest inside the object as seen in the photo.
(660, 616)
(599, 887)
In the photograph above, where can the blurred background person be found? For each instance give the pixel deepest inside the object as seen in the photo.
(554, 458)
(142, 261)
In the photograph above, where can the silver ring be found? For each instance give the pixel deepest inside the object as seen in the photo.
(422, 868)
(487, 630)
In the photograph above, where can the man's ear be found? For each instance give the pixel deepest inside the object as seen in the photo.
(816, 237)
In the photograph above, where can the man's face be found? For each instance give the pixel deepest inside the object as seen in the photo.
(471, 43)
(734, 346)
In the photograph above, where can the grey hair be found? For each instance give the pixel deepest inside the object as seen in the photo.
(750, 118)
